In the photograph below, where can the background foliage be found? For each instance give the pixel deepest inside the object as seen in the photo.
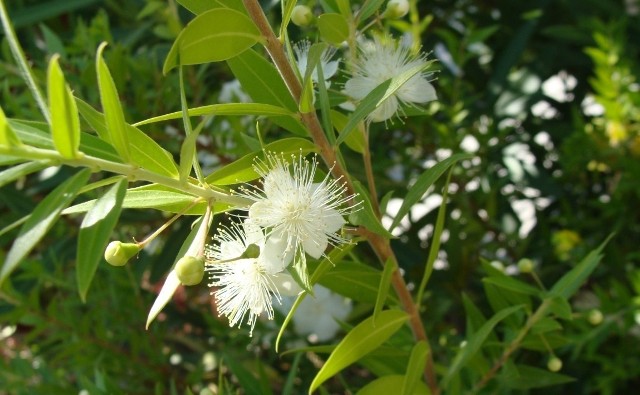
(544, 94)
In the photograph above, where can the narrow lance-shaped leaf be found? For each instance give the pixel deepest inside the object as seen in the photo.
(390, 384)
(95, 232)
(65, 122)
(7, 135)
(42, 219)
(383, 290)
(365, 216)
(13, 173)
(423, 183)
(114, 116)
(361, 340)
(215, 35)
(415, 367)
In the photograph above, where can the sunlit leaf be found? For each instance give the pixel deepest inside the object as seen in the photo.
(415, 368)
(65, 122)
(13, 173)
(333, 28)
(7, 135)
(390, 385)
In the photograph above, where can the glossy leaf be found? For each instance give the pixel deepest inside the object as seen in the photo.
(355, 138)
(116, 127)
(213, 36)
(65, 122)
(365, 216)
(361, 340)
(42, 219)
(415, 368)
(13, 173)
(423, 183)
(474, 343)
(390, 385)
(383, 289)
(242, 170)
(355, 281)
(239, 109)
(145, 152)
(95, 232)
(7, 135)
(333, 28)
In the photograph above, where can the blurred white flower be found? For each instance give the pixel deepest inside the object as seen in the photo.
(246, 282)
(380, 61)
(232, 92)
(299, 214)
(329, 67)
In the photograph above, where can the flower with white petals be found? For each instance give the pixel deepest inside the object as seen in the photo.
(329, 67)
(300, 215)
(381, 61)
(246, 283)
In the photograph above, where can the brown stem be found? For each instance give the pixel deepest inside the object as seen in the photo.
(379, 244)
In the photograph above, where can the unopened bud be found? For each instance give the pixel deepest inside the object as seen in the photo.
(301, 15)
(396, 9)
(554, 364)
(190, 270)
(118, 253)
(252, 252)
(525, 265)
(595, 317)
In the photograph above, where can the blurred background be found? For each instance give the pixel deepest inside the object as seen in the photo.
(544, 93)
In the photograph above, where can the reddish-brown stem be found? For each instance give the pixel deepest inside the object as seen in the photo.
(379, 244)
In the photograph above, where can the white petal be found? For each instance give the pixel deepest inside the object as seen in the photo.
(276, 254)
(417, 90)
(333, 221)
(385, 111)
(359, 87)
(286, 285)
(315, 244)
(168, 289)
(329, 69)
(261, 213)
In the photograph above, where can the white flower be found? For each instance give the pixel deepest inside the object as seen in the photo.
(246, 284)
(381, 61)
(299, 214)
(329, 67)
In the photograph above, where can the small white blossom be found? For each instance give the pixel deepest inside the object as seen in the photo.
(300, 215)
(329, 67)
(381, 61)
(246, 285)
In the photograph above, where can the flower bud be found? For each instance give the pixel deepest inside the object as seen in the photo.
(595, 317)
(301, 15)
(397, 9)
(554, 364)
(525, 265)
(252, 252)
(190, 270)
(118, 253)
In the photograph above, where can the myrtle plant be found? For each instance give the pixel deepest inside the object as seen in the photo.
(279, 225)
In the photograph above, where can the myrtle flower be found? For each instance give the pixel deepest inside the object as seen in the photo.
(300, 215)
(381, 61)
(245, 282)
(329, 67)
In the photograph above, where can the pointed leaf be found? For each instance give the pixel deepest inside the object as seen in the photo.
(13, 173)
(95, 232)
(365, 216)
(213, 36)
(389, 385)
(383, 290)
(42, 219)
(65, 122)
(361, 340)
(524, 377)
(423, 183)
(333, 28)
(7, 135)
(116, 127)
(415, 368)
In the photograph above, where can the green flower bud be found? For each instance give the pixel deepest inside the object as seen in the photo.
(595, 317)
(252, 252)
(554, 364)
(190, 270)
(301, 15)
(525, 265)
(396, 9)
(118, 253)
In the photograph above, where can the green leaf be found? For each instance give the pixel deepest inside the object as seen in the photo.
(65, 122)
(561, 308)
(116, 127)
(361, 340)
(13, 173)
(213, 36)
(199, 6)
(333, 28)
(423, 183)
(240, 109)
(365, 216)
(355, 138)
(523, 377)
(378, 95)
(368, 9)
(7, 135)
(242, 170)
(389, 385)
(383, 290)
(512, 284)
(355, 281)
(95, 232)
(145, 152)
(42, 219)
(260, 79)
(475, 342)
(287, 10)
(415, 368)
(570, 282)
